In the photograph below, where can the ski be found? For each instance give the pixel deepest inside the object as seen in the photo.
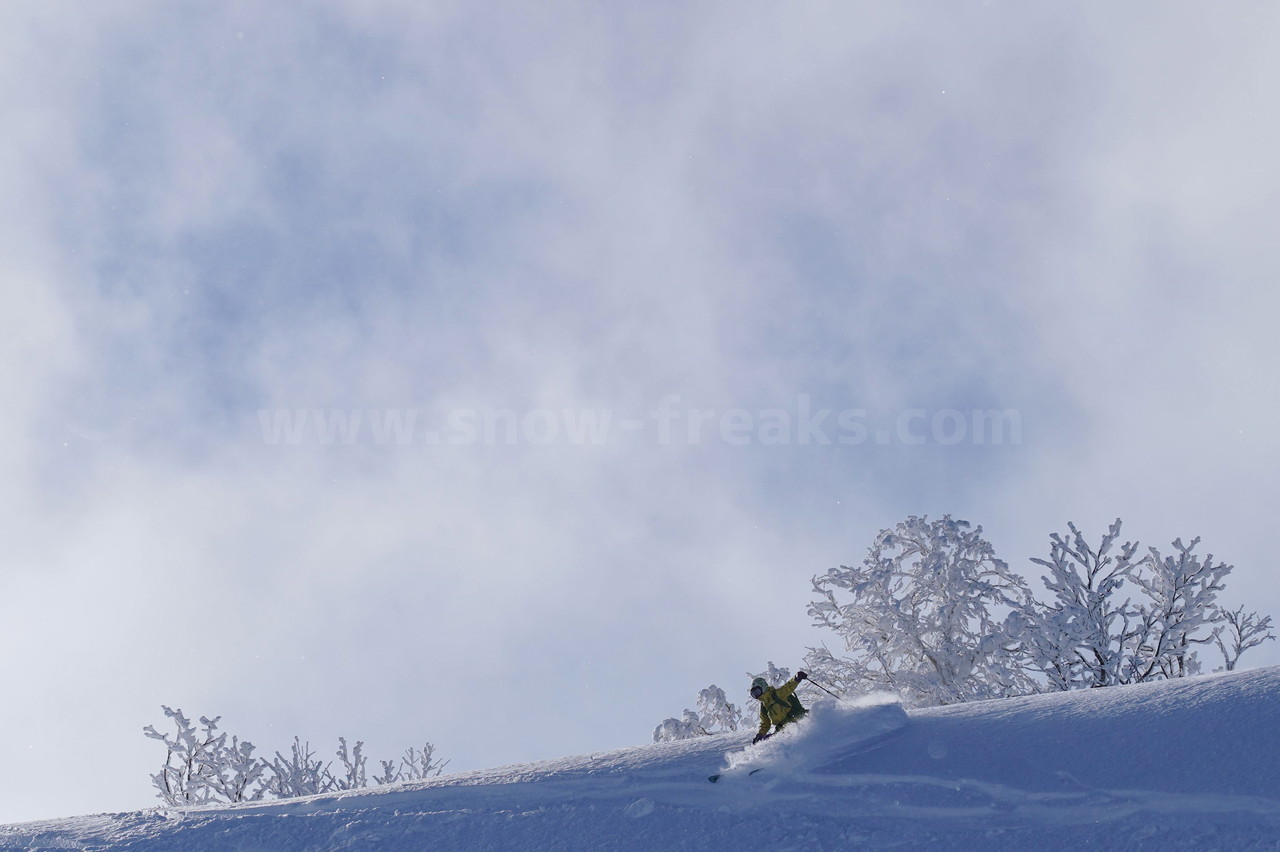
(718, 775)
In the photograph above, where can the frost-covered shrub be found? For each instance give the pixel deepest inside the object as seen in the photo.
(1241, 631)
(775, 675)
(202, 766)
(931, 614)
(238, 777)
(353, 765)
(683, 728)
(300, 774)
(715, 715)
(415, 765)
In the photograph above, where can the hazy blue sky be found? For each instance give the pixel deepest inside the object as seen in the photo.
(216, 215)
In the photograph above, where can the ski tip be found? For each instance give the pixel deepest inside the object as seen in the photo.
(714, 778)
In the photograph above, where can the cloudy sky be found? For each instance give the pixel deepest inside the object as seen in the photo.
(605, 265)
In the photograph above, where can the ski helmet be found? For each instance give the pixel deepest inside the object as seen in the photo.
(758, 686)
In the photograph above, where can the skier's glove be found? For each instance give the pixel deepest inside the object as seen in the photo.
(758, 738)
(801, 676)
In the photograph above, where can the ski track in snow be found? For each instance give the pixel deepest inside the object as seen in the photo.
(1053, 772)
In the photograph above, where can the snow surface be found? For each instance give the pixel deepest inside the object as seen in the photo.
(1189, 764)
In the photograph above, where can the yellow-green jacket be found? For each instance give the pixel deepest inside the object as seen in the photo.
(776, 707)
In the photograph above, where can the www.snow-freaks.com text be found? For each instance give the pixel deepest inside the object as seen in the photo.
(667, 423)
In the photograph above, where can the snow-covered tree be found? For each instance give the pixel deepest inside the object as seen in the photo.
(1180, 590)
(1241, 631)
(1088, 636)
(1080, 637)
(931, 614)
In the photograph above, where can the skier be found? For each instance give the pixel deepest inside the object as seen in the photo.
(778, 707)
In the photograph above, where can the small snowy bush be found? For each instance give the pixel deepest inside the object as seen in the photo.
(775, 675)
(202, 767)
(300, 774)
(715, 714)
(1241, 631)
(415, 765)
(686, 727)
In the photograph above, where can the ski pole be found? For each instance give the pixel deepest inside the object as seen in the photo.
(824, 689)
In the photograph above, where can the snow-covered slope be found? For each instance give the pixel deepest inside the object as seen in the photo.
(1192, 764)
